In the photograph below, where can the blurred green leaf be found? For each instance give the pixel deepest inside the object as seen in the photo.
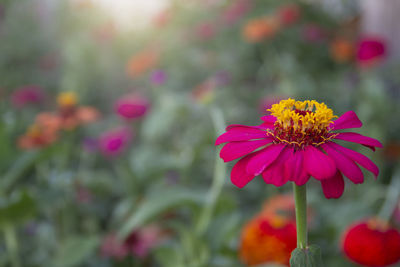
(75, 250)
(159, 202)
(18, 210)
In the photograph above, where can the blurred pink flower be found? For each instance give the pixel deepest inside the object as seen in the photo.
(158, 77)
(132, 106)
(29, 94)
(139, 243)
(313, 33)
(289, 14)
(236, 10)
(114, 141)
(206, 30)
(370, 51)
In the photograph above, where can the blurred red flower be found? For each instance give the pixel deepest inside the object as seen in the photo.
(370, 51)
(372, 243)
(267, 239)
(289, 14)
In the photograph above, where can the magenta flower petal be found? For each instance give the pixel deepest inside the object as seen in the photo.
(275, 173)
(357, 157)
(360, 139)
(263, 159)
(243, 127)
(293, 168)
(333, 187)
(236, 150)
(318, 164)
(269, 119)
(345, 165)
(239, 176)
(347, 120)
(240, 134)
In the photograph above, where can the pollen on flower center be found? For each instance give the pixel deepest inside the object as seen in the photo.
(301, 123)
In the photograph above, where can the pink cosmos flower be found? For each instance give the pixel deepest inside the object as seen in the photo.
(295, 142)
(370, 51)
(113, 142)
(132, 106)
(30, 94)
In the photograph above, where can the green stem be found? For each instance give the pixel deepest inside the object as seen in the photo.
(392, 197)
(12, 244)
(300, 196)
(218, 180)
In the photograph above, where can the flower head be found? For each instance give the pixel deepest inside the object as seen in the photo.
(289, 14)
(142, 62)
(236, 10)
(26, 95)
(132, 106)
(259, 29)
(158, 77)
(342, 50)
(372, 243)
(37, 136)
(267, 239)
(295, 142)
(370, 51)
(113, 142)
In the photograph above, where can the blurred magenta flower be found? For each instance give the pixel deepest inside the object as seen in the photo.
(289, 14)
(372, 243)
(114, 141)
(132, 106)
(29, 94)
(370, 51)
(111, 247)
(236, 10)
(158, 77)
(296, 142)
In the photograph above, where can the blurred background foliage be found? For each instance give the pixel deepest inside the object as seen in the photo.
(89, 180)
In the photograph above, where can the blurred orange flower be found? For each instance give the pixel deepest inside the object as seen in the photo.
(342, 50)
(280, 205)
(37, 136)
(260, 29)
(267, 239)
(142, 62)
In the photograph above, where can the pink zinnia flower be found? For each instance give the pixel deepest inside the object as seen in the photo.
(132, 106)
(113, 142)
(370, 51)
(296, 142)
(30, 94)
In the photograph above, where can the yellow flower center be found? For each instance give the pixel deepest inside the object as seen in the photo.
(67, 99)
(301, 122)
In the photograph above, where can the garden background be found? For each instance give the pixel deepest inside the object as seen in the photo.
(110, 111)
